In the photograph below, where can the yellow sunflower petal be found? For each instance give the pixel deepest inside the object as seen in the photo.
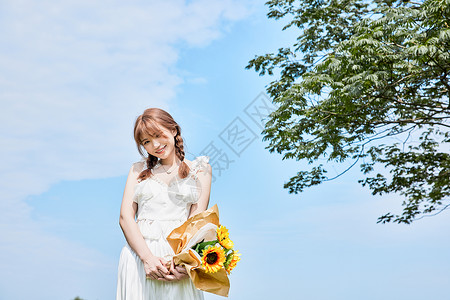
(213, 258)
(222, 233)
(234, 260)
(227, 243)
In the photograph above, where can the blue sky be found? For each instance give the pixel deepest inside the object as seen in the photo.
(73, 77)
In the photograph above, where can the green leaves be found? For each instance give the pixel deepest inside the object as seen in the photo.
(368, 72)
(199, 247)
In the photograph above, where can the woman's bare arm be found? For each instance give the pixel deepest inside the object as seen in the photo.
(154, 266)
(205, 177)
(127, 221)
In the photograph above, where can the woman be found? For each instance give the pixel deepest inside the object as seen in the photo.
(162, 191)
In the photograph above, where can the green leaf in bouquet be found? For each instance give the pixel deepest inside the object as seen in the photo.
(228, 259)
(201, 246)
(197, 247)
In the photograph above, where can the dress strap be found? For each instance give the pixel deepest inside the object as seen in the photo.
(144, 164)
(140, 166)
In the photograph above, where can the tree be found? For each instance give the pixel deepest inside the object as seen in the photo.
(361, 74)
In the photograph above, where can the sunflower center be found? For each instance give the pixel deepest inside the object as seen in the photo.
(211, 258)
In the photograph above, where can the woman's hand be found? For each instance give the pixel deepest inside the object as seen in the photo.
(178, 272)
(155, 268)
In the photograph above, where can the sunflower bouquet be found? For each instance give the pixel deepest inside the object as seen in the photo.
(204, 247)
(218, 253)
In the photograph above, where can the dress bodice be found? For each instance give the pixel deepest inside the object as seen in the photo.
(159, 201)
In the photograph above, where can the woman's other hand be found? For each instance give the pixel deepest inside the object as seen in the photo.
(176, 273)
(179, 272)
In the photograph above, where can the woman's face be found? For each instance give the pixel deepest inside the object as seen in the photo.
(159, 145)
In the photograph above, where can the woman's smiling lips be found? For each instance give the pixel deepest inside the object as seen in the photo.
(161, 150)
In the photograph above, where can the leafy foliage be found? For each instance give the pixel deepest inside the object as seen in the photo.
(363, 73)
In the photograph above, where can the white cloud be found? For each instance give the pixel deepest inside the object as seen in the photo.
(75, 74)
(73, 77)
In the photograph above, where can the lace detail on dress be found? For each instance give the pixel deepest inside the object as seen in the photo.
(178, 188)
(200, 164)
(139, 167)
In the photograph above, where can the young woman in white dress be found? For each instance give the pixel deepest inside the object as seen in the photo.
(161, 192)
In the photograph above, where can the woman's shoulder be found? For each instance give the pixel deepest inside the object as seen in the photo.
(139, 166)
(198, 159)
(200, 163)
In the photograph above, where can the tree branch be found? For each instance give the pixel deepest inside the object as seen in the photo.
(444, 208)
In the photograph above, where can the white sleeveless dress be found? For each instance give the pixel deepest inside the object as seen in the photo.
(161, 208)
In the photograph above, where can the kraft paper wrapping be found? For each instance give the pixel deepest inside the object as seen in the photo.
(182, 238)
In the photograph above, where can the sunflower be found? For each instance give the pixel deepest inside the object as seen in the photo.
(224, 237)
(227, 243)
(213, 258)
(222, 233)
(234, 259)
